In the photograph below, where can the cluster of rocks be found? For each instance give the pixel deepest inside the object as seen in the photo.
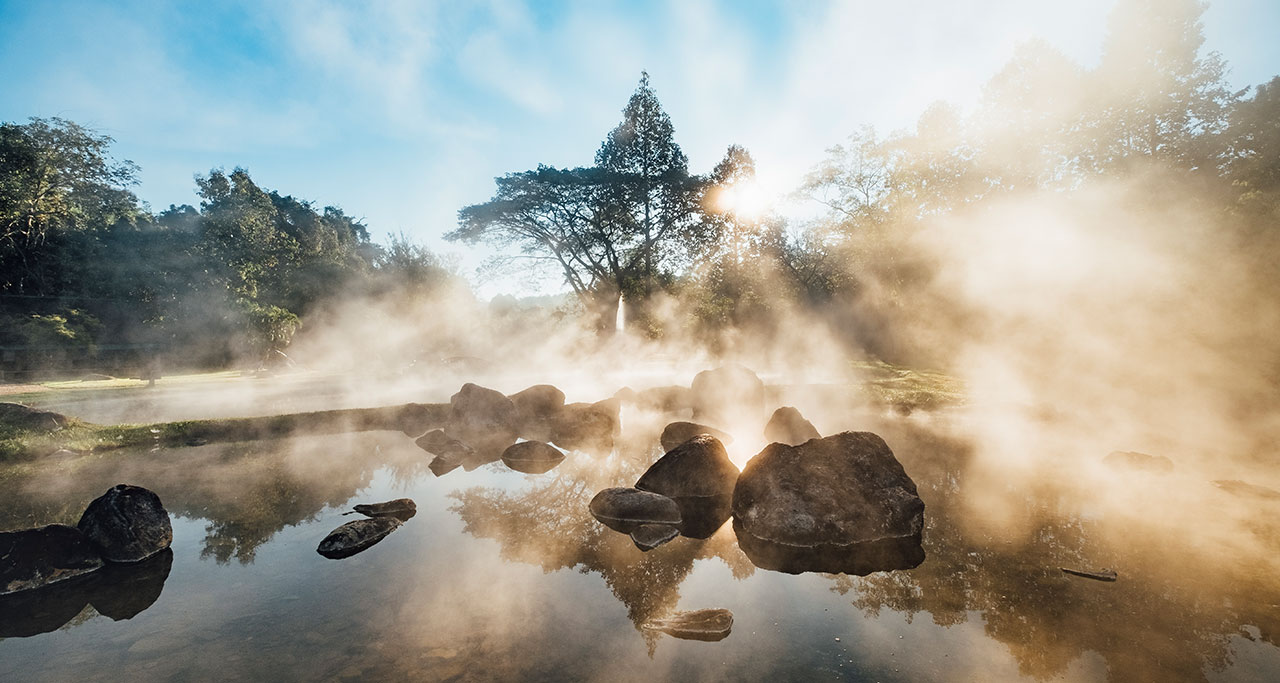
(485, 426)
(125, 525)
(362, 534)
(838, 504)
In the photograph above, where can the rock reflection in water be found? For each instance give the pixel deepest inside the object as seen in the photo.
(709, 625)
(859, 559)
(117, 591)
(702, 516)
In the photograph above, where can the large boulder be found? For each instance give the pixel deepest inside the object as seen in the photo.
(727, 395)
(357, 536)
(677, 433)
(532, 457)
(838, 504)
(589, 427)
(697, 467)
(33, 558)
(30, 419)
(536, 407)
(788, 426)
(127, 524)
(626, 510)
(480, 413)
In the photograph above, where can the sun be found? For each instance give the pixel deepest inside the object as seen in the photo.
(746, 199)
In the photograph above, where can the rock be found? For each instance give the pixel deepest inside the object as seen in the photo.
(1102, 575)
(127, 524)
(536, 407)
(671, 399)
(858, 559)
(436, 441)
(1240, 488)
(812, 507)
(414, 419)
(697, 467)
(625, 510)
(650, 536)
(441, 465)
(31, 419)
(477, 412)
(677, 433)
(1132, 460)
(727, 395)
(587, 427)
(46, 609)
(402, 509)
(704, 624)
(32, 558)
(788, 426)
(357, 536)
(702, 516)
(532, 457)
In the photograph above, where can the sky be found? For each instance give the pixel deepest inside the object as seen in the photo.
(403, 112)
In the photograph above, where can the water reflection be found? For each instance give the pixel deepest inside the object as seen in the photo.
(117, 591)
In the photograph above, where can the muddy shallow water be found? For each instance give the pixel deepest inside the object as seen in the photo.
(505, 575)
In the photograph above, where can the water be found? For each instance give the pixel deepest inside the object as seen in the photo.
(503, 575)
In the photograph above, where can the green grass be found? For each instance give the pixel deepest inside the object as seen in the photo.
(907, 389)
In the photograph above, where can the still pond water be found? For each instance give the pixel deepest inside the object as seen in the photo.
(506, 576)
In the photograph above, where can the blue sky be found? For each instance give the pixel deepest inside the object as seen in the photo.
(403, 112)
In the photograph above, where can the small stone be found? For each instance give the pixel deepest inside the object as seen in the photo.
(402, 509)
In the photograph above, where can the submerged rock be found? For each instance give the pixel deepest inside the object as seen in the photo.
(402, 509)
(532, 457)
(357, 536)
(33, 558)
(1132, 460)
(650, 536)
(127, 524)
(697, 467)
(677, 433)
(788, 426)
(23, 417)
(727, 395)
(812, 507)
(478, 412)
(625, 510)
(589, 427)
(704, 624)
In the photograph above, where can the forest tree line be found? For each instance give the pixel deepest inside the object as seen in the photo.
(83, 262)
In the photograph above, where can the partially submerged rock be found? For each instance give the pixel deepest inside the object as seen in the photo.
(532, 457)
(33, 419)
(727, 395)
(697, 467)
(589, 427)
(402, 509)
(677, 433)
(704, 624)
(625, 510)
(33, 558)
(127, 524)
(478, 412)
(1132, 460)
(789, 427)
(439, 443)
(650, 536)
(357, 536)
(828, 504)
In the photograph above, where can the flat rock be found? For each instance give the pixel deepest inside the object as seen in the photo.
(33, 558)
(727, 395)
(127, 524)
(704, 624)
(589, 427)
(479, 412)
(697, 467)
(532, 457)
(402, 509)
(1132, 460)
(677, 433)
(623, 509)
(827, 494)
(650, 536)
(789, 427)
(357, 536)
(23, 417)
